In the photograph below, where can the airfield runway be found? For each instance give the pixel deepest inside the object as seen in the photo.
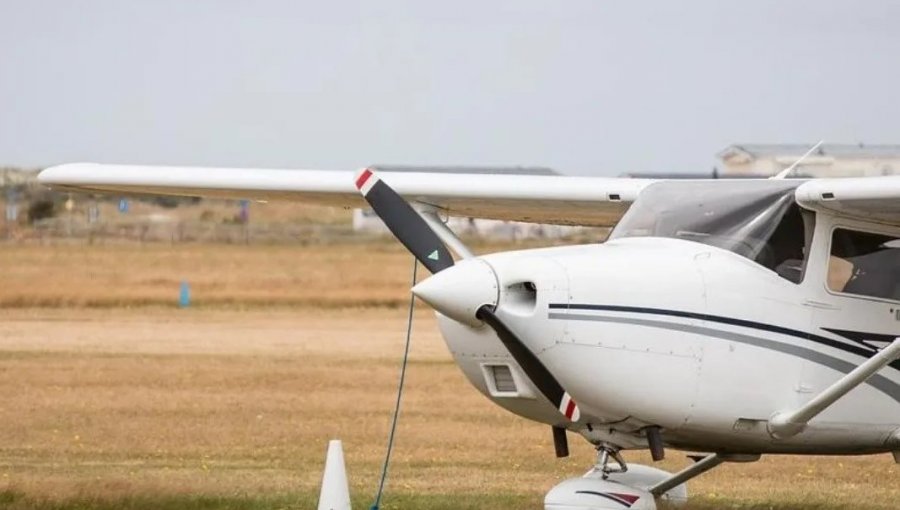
(113, 397)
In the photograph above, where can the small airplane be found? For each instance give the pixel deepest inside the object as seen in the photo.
(735, 318)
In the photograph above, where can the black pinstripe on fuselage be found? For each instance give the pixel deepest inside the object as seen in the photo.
(859, 350)
(626, 315)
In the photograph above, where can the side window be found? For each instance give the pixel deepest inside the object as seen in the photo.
(865, 264)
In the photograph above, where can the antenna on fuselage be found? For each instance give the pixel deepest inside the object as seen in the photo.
(787, 171)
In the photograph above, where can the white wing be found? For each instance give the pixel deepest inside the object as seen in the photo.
(560, 200)
(867, 198)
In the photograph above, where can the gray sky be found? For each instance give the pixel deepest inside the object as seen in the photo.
(593, 87)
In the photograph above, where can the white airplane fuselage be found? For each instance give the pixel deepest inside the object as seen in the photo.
(697, 340)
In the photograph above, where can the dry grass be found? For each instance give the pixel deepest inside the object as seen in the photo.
(224, 401)
(135, 275)
(150, 407)
(129, 275)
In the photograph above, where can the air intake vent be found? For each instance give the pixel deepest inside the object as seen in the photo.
(503, 378)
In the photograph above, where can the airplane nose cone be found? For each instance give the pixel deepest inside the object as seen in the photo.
(459, 291)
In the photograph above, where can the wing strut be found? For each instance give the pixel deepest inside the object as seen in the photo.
(786, 424)
(702, 465)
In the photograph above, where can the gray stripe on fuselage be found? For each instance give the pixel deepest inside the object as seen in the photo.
(880, 382)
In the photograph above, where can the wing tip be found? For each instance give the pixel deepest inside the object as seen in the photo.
(60, 174)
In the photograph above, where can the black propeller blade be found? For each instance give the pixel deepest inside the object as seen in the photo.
(536, 371)
(404, 222)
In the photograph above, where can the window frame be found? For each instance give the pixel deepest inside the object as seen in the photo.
(810, 226)
(868, 229)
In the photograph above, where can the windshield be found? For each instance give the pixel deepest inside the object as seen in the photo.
(755, 219)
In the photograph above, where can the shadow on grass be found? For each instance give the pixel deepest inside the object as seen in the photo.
(15, 500)
(11, 499)
(756, 505)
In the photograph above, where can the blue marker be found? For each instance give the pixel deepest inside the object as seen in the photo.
(184, 296)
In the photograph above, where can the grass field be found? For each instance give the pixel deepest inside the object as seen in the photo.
(127, 275)
(114, 398)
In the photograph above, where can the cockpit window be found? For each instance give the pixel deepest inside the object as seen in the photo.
(759, 220)
(864, 264)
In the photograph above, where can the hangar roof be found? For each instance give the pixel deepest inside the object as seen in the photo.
(835, 150)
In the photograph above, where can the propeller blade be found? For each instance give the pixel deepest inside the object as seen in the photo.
(404, 222)
(534, 369)
(411, 230)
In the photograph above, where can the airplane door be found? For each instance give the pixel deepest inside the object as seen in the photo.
(861, 299)
(857, 313)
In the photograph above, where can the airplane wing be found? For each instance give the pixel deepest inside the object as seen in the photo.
(554, 199)
(867, 198)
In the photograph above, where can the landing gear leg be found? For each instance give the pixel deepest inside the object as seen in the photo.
(605, 453)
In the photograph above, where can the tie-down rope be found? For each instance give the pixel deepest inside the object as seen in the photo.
(390, 445)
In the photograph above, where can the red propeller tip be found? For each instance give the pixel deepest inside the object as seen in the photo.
(569, 408)
(363, 178)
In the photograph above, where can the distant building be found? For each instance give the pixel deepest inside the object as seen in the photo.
(829, 160)
(12, 177)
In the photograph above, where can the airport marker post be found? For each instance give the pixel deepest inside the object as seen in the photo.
(184, 295)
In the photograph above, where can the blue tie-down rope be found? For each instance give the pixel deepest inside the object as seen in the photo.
(390, 446)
